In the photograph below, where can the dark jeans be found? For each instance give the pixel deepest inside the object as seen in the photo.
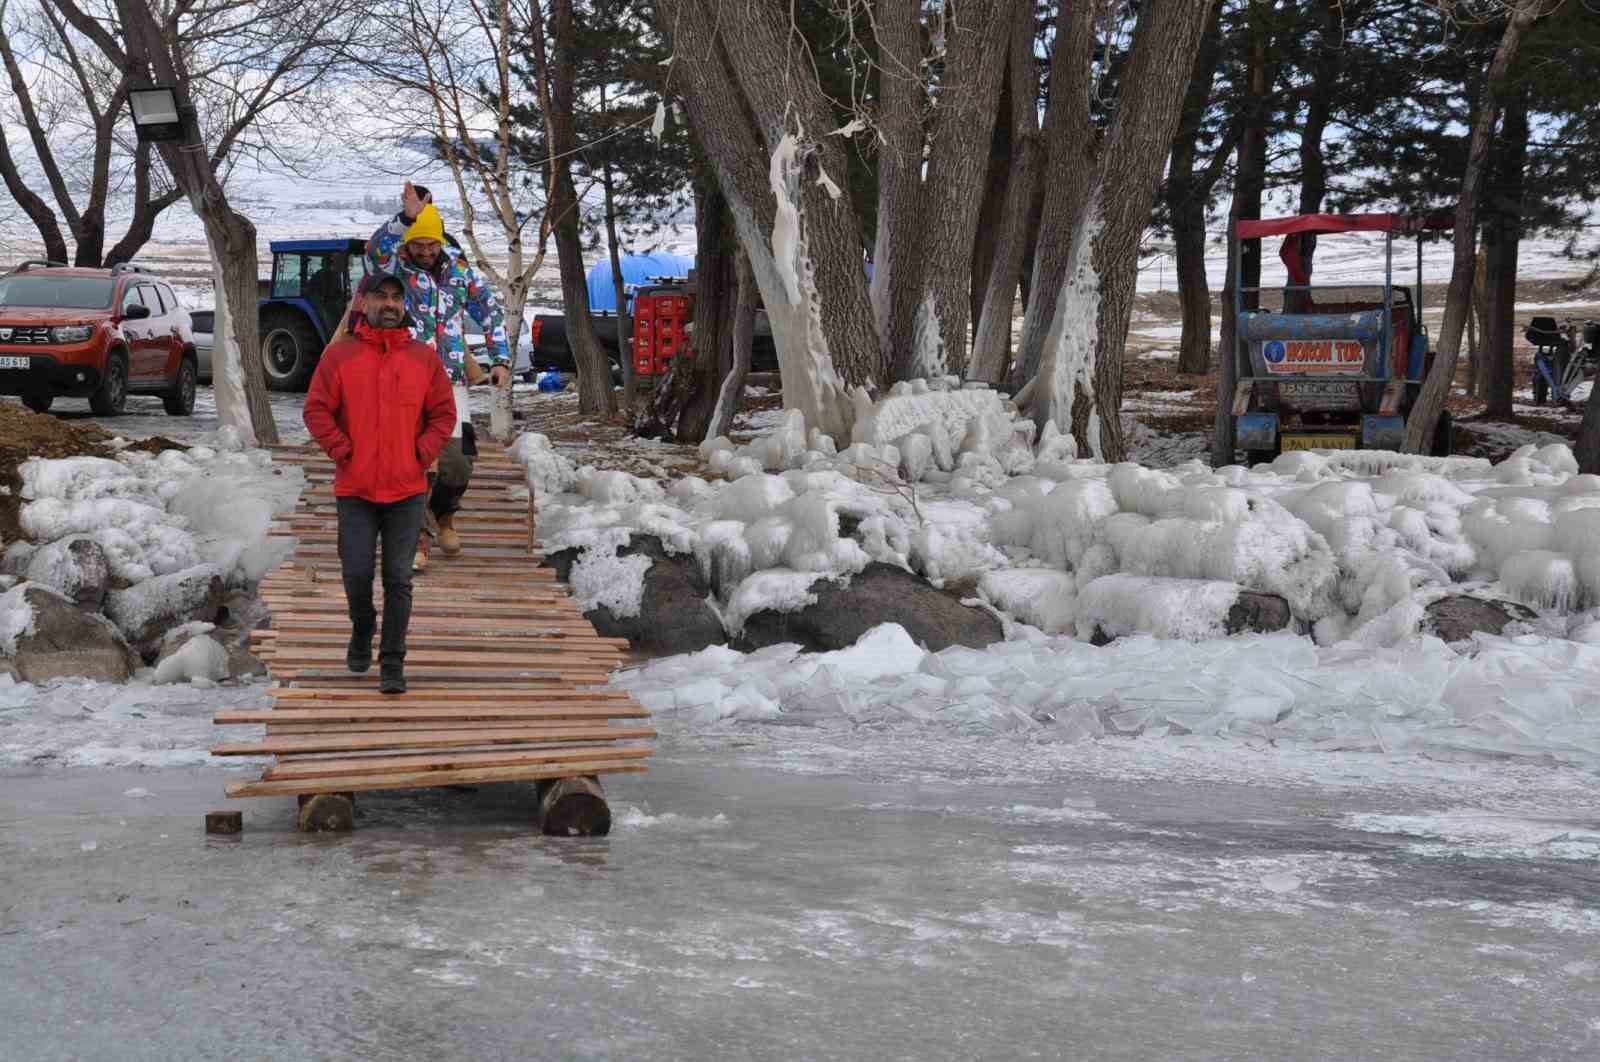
(455, 472)
(361, 525)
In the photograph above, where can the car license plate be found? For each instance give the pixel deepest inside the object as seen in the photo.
(13, 363)
(1318, 442)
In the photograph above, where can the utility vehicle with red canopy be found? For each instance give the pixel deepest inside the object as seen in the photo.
(1337, 366)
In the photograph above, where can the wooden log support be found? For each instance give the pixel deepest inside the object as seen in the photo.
(574, 807)
(327, 813)
(506, 674)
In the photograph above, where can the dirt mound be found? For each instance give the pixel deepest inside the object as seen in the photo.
(25, 434)
(156, 444)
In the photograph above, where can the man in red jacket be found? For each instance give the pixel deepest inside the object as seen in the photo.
(380, 405)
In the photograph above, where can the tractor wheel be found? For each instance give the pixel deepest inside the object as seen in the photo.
(111, 396)
(289, 349)
(1443, 436)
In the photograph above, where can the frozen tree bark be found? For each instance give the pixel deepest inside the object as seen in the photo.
(755, 104)
(1079, 358)
(1424, 419)
(991, 342)
(930, 294)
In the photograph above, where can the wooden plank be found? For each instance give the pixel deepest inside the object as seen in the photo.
(414, 779)
(351, 698)
(444, 676)
(312, 626)
(443, 762)
(345, 742)
(506, 726)
(399, 715)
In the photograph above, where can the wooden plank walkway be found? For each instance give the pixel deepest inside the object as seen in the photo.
(500, 663)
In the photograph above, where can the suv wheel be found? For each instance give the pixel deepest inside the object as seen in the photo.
(112, 394)
(39, 401)
(289, 350)
(179, 401)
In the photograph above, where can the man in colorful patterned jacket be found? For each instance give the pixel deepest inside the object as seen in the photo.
(441, 289)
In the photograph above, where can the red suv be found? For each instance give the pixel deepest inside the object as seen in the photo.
(95, 333)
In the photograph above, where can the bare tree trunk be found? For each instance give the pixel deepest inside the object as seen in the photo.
(1424, 419)
(595, 394)
(38, 211)
(630, 381)
(145, 210)
(991, 342)
(1186, 196)
(1478, 330)
(1502, 238)
(1244, 268)
(1587, 451)
(715, 279)
(731, 397)
(230, 235)
(901, 103)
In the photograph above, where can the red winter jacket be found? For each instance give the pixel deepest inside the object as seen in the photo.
(381, 406)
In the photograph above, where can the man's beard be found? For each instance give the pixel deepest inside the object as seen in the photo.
(385, 318)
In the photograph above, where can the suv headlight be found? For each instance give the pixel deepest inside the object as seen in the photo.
(71, 333)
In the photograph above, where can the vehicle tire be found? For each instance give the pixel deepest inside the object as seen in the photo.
(1252, 458)
(180, 399)
(39, 401)
(1444, 436)
(111, 396)
(289, 350)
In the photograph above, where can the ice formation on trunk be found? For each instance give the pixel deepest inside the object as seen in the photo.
(1068, 365)
(811, 383)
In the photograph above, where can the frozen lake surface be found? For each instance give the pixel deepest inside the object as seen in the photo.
(755, 902)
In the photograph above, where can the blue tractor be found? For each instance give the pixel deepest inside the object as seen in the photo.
(311, 285)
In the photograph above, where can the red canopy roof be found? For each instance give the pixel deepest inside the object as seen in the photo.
(1325, 223)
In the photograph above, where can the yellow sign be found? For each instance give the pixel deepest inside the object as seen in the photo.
(1318, 442)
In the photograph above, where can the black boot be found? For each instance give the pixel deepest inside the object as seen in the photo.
(391, 676)
(358, 657)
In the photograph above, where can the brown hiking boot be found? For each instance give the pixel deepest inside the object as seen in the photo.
(449, 541)
(419, 563)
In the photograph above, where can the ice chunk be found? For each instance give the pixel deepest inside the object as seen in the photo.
(1038, 596)
(1189, 609)
(1540, 578)
(200, 658)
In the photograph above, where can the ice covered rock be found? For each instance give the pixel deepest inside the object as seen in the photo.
(147, 610)
(59, 640)
(843, 611)
(1458, 617)
(74, 567)
(1259, 613)
(672, 614)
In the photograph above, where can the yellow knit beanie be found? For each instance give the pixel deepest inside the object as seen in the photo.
(428, 226)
